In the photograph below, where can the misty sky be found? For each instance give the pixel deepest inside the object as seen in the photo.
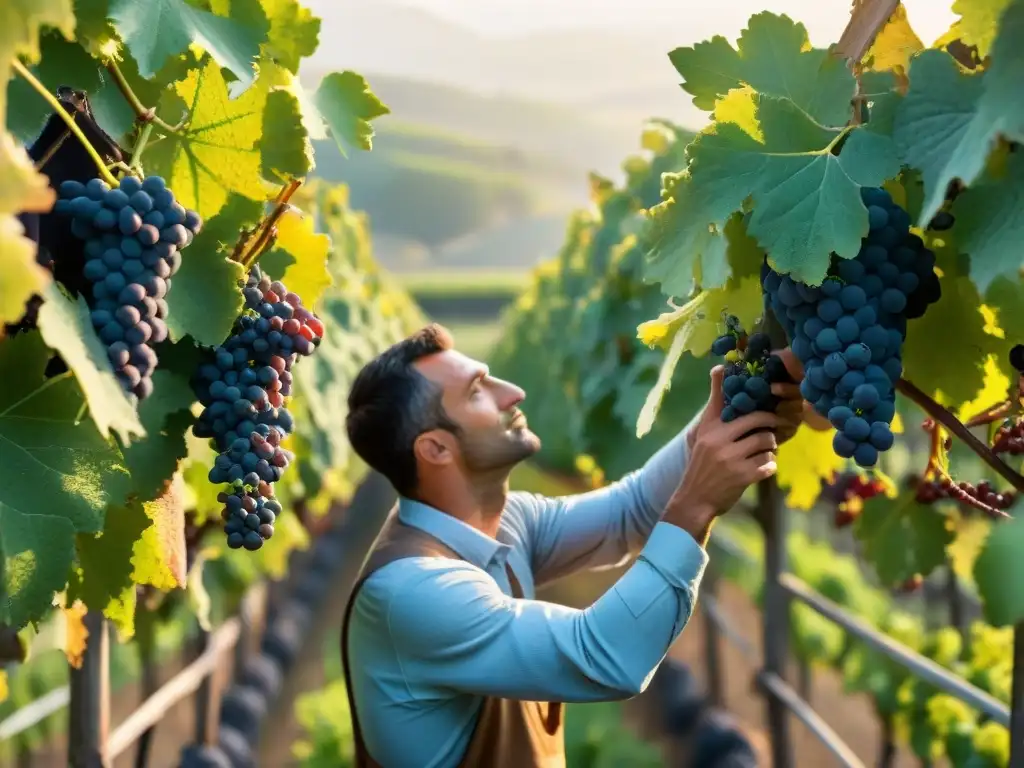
(684, 21)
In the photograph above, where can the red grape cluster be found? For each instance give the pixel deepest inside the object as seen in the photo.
(933, 490)
(850, 490)
(1009, 438)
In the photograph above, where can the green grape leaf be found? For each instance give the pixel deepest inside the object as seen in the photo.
(347, 105)
(990, 224)
(158, 555)
(806, 201)
(773, 56)
(206, 298)
(155, 30)
(692, 328)
(962, 113)
(294, 32)
(58, 477)
(216, 153)
(299, 258)
(104, 577)
(37, 551)
(956, 318)
(66, 328)
(167, 417)
(62, 62)
(901, 537)
(998, 568)
(51, 459)
(285, 152)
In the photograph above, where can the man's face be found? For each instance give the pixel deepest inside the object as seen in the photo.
(493, 433)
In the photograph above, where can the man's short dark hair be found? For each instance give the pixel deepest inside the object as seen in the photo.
(391, 404)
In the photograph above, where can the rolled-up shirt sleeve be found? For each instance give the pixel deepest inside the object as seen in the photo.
(453, 627)
(601, 528)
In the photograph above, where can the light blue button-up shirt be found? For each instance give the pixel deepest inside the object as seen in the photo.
(429, 637)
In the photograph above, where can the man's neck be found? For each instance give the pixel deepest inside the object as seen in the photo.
(479, 505)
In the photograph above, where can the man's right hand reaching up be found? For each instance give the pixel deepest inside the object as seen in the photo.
(724, 460)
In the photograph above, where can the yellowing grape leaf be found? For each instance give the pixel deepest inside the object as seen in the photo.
(299, 257)
(294, 32)
(956, 319)
(347, 105)
(159, 555)
(971, 531)
(76, 635)
(66, 328)
(20, 22)
(216, 152)
(774, 57)
(5, 689)
(895, 43)
(978, 22)
(20, 275)
(692, 328)
(805, 462)
(994, 391)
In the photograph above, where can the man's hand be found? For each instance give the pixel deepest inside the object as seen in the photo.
(793, 410)
(725, 459)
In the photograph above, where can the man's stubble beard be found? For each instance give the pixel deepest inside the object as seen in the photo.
(494, 456)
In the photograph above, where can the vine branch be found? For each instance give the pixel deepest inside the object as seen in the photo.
(101, 165)
(143, 114)
(944, 417)
(252, 244)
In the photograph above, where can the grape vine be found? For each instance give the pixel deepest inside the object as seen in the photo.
(156, 205)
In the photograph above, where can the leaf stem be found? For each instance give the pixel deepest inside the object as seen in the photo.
(140, 147)
(101, 166)
(143, 114)
(944, 417)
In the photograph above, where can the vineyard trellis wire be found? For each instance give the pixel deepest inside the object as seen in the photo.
(781, 587)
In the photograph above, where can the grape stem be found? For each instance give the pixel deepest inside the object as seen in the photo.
(944, 417)
(101, 166)
(246, 254)
(140, 147)
(143, 114)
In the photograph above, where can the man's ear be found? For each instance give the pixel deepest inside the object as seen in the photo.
(435, 447)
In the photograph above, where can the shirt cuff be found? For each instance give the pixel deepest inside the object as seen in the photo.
(676, 555)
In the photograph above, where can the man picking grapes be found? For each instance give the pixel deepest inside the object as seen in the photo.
(449, 660)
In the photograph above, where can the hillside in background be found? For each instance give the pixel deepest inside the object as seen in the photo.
(599, 70)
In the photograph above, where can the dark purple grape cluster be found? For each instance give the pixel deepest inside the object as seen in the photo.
(848, 332)
(133, 235)
(750, 371)
(248, 519)
(242, 387)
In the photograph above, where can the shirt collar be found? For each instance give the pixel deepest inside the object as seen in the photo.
(465, 540)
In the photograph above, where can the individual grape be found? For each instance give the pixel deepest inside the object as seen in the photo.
(118, 242)
(864, 398)
(839, 415)
(866, 455)
(723, 344)
(843, 445)
(857, 429)
(881, 436)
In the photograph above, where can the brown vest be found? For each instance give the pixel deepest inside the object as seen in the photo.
(508, 733)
